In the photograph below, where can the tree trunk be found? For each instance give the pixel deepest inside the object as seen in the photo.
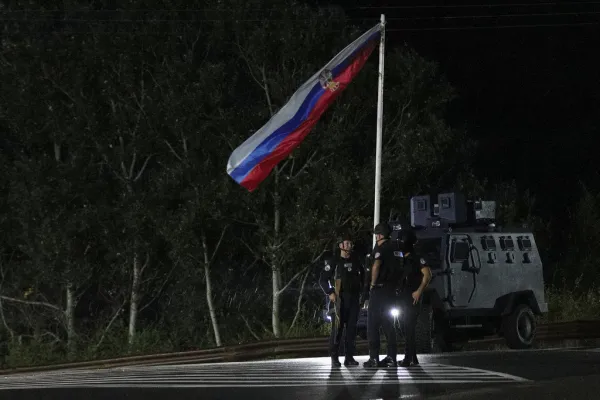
(70, 317)
(277, 222)
(4, 323)
(275, 312)
(276, 268)
(70, 297)
(135, 297)
(209, 298)
(299, 304)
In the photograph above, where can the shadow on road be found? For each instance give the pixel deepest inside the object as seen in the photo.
(346, 392)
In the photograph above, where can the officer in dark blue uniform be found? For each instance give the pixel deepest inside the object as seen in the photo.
(386, 274)
(347, 273)
(415, 278)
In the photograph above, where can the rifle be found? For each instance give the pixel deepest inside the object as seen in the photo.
(336, 324)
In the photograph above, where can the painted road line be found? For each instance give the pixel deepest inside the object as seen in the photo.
(276, 374)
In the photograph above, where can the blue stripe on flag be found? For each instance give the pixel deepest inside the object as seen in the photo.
(271, 142)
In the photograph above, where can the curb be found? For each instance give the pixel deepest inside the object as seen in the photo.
(563, 334)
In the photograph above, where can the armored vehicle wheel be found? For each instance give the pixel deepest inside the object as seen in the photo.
(431, 337)
(519, 327)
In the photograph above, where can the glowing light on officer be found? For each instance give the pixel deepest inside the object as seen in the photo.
(395, 312)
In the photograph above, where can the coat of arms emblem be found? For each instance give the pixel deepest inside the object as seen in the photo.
(326, 81)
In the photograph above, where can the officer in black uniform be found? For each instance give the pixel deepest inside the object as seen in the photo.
(348, 274)
(415, 278)
(386, 274)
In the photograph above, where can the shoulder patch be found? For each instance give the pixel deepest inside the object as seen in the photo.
(327, 267)
(377, 255)
(423, 262)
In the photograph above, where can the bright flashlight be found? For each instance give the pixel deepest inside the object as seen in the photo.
(395, 312)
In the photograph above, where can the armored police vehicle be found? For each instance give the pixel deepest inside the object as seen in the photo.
(487, 280)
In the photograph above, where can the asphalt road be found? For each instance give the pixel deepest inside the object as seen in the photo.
(547, 374)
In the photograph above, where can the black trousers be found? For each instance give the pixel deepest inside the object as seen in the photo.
(410, 315)
(349, 308)
(381, 302)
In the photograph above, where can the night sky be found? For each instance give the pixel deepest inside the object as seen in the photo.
(529, 94)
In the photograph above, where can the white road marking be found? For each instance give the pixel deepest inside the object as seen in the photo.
(480, 352)
(507, 376)
(274, 373)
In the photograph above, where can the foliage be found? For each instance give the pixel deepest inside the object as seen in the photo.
(568, 304)
(115, 207)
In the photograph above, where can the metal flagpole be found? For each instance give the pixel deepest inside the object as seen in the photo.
(379, 126)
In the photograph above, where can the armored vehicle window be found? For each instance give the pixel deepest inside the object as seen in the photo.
(421, 205)
(524, 243)
(488, 243)
(507, 243)
(446, 202)
(460, 251)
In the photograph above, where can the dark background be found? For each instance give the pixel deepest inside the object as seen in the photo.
(528, 79)
(527, 83)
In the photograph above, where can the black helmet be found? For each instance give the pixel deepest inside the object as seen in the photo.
(345, 236)
(382, 228)
(407, 239)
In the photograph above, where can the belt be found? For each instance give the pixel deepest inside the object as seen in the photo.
(384, 286)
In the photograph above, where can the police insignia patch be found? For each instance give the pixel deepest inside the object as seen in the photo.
(377, 255)
(327, 267)
(423, 262)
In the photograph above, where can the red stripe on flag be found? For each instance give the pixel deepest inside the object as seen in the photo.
(293, 140)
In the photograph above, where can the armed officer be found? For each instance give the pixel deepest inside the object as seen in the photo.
(415, 278)
(386, 274)
(348, 274)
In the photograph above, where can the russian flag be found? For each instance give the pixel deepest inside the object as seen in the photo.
(253, 160)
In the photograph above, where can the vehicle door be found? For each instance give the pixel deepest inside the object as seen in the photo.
(463, 266)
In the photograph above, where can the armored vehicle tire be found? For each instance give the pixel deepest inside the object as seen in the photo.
(519, 327)
(430, 336)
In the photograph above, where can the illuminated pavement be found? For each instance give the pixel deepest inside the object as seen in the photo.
(459, 375)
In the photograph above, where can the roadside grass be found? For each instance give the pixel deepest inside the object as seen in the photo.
(563, 305)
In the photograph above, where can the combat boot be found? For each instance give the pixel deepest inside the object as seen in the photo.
(335, 362)
(371, 363)
(407, 362)
(350, 361)
(388, 362)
